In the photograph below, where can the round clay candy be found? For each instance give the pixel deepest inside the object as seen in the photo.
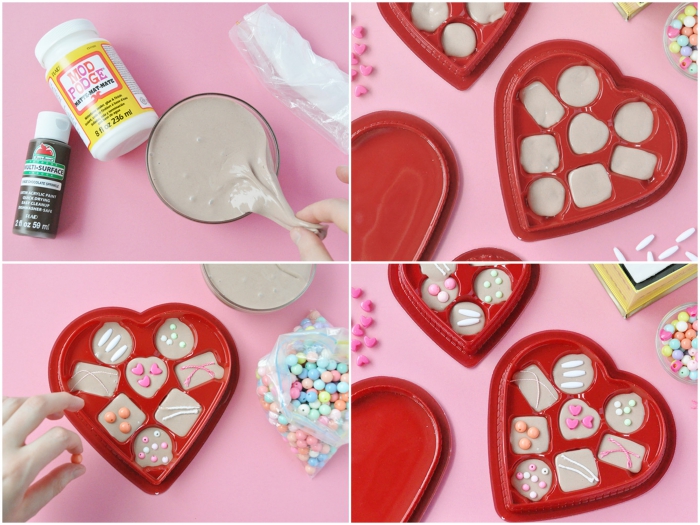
(124, 427)
(524, 443)
(110, 417)
(689, 21)
(677, 24)
(694, 375)
(331, 388)
(666, 350)
(520, 426)
(291, 360)
(674, 343)
(693, 68)
(533, 432)
(684, 372)
(672, 32)
(682, 40)
(296, 369)
(686, 51)
(674, 47)
(677, 354)
(124, 412)
(690, 10)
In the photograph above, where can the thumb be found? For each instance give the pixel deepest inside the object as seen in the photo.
(309, 245)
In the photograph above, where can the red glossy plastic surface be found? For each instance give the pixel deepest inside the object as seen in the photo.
(459, 72)
(75, 345)
(382, 454)
(404, 183)
(544, 63)
(406, 280)
(487, 255)
(657, 433)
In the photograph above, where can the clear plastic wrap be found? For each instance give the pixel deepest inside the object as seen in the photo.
(311, 86)
(313, 419)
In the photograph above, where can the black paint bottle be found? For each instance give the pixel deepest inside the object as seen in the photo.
(44, 177)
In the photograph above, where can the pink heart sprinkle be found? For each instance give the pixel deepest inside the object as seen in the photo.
(366, 321)
(359, 48)
(357, 330)
(370, 341)
(155, 369)
(367, 305)
(355, 345)
(138, 369)
(571, 423)
(355, 292)
(360, 90)
(366, 70)
(588, 421)
(362, 360)
(145, 381)
(353, 60)
(353, 73)
(575, 409)
(358, 32)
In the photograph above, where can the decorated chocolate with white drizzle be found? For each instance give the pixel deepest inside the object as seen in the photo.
(94, 379)
(536, 388)
(467, 318)
(576, 470)
(178, 412)
(574, 373)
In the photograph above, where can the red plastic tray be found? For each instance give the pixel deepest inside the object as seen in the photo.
(506, 403)
(406, 280)
(487, 255)
(545, 62)
(381, 454)
(459, 72)
(404, 183)
(75, 345)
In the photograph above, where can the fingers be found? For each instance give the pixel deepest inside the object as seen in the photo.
(309, 245)
(48, 447)
(343, 173)
(329, 210)
(33, 411)
(44, 490)
(10, 406)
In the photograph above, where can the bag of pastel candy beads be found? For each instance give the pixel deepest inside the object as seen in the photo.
(304, 386)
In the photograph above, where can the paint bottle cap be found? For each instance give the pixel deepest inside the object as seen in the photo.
(53, 126)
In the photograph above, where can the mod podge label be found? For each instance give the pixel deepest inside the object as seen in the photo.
(96, 90)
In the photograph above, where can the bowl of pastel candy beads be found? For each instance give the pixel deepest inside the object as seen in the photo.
(304, 385)
(677, 343)
(681, 39)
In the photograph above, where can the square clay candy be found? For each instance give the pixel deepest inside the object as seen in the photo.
(536, 388)
(622, 453)
(576, 470)
(529, 435)
(121, 418)
(198, 370)
(94, 379)
(178, 412)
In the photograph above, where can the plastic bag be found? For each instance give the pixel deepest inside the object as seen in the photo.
(312, 419)
(311, 86)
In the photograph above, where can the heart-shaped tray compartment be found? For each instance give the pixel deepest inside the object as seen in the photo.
(404, 183)
(193, 398)
(460, 72)
(497, 314)
(381, 455)
(545, 63)
(591, 422)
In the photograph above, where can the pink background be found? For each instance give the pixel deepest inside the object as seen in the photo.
(569, 297)
(244, 472)
(110, 211)
(402, 82)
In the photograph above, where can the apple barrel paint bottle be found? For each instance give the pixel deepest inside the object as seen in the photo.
(44, 177)
(106, 106)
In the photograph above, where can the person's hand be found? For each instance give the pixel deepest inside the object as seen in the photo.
(330, 210)
(21, 463)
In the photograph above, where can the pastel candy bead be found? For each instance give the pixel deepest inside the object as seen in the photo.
(687, 31)
(684, 372)
(686, 344)
(519, 475)
(666, 350)
(525, 443)
(670, 328)
(443, 297)
(674, 47)
(690, 312)
(692, 365)
(693, 68)
(676, 366)
(520, 426)
(450, 283)
(672, 32)
(689, 21)
(433, 289)
(685, 62)
(665, 335)
(533, 432)
(674, 343)
(693, 375)
(677, 24)
(690, 10)
(677, 354)
(686, 51)
(682, 40)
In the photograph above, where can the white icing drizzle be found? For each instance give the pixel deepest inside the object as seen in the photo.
(182, 411)
(114, 342)
(118, 353)
(590, 477)
(687, 233)
(443, 272)
(87, 373)
(572, 384)
(645, 242)
(104, 337)
(469, 313)
(575, 373)
(468, 322)
(537, 402)
(572, 364)
(667, 253)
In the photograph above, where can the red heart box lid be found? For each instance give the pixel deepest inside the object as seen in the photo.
(459, 72)
(486, 255)
(160, 379)
(381, 454)
(602, 435)
(404, 183)
(545, 64)
(488, 316)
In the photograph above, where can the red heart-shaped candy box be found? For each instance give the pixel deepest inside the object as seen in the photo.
(404, 183)
(407, 280)
(209, 392)
(381, 454)
(459, 72)
(607, 484)
(545, 63)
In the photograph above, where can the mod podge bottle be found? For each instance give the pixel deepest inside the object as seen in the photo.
(106, 106)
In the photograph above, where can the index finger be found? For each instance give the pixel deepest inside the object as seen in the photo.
(33, 411)
(329, 210)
